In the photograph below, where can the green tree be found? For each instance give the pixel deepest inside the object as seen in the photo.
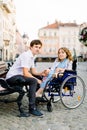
(83, 36)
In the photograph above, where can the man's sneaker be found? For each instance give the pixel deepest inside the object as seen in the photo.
(35, 112)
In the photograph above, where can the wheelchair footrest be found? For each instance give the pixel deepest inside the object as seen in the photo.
(40, 99)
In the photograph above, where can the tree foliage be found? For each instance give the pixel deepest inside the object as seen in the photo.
(83, 36)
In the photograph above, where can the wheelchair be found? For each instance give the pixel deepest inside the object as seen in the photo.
(67, 87)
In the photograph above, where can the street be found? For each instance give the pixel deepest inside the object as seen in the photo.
(60, 118)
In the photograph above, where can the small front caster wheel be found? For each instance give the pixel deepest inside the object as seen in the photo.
(50, 106)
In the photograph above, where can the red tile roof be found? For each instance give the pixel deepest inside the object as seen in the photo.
(58, 24)
(54, 25)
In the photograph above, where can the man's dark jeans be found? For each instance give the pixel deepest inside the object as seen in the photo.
(14, 81)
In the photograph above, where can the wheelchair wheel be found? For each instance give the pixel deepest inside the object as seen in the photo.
(72, 93)
(51, 93)
(50, 106)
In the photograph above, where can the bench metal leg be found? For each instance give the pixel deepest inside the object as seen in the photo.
(19, 102)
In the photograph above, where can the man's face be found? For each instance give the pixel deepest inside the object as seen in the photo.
(36, 49)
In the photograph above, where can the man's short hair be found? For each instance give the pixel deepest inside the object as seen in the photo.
(35, 42)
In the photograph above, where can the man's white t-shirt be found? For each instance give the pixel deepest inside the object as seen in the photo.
(26, 59)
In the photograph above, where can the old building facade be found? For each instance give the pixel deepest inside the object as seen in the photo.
(58, 35)
(7, 29)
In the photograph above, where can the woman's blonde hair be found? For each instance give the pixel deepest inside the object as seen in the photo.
(68, 53)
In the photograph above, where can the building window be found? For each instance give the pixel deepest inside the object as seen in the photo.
(50, 34)
(68, 40)
(63, 40)
(50, 50)
(44, 33)
(55, 34)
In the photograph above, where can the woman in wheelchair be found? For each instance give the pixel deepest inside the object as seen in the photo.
(62, 63)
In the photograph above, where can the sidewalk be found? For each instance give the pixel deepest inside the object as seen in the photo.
(60, 119)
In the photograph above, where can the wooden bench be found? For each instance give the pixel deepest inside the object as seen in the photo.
(6, 89)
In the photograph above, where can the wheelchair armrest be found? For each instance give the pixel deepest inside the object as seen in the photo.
(55, 75)
(70, 71)
(61, 74)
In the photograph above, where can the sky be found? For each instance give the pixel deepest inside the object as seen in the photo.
(31, 15)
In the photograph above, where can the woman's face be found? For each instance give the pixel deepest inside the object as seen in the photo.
(62, 54)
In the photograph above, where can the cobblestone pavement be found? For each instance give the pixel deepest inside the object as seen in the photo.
(59, 119)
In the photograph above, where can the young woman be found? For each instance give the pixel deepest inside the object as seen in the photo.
(63, 62)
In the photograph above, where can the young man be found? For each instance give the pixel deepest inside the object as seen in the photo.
(24, 68)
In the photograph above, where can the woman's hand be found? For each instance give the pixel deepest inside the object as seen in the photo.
(60, 70)
(45, 72)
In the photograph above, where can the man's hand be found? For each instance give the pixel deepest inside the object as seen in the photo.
(39, 81)
(45, 72)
